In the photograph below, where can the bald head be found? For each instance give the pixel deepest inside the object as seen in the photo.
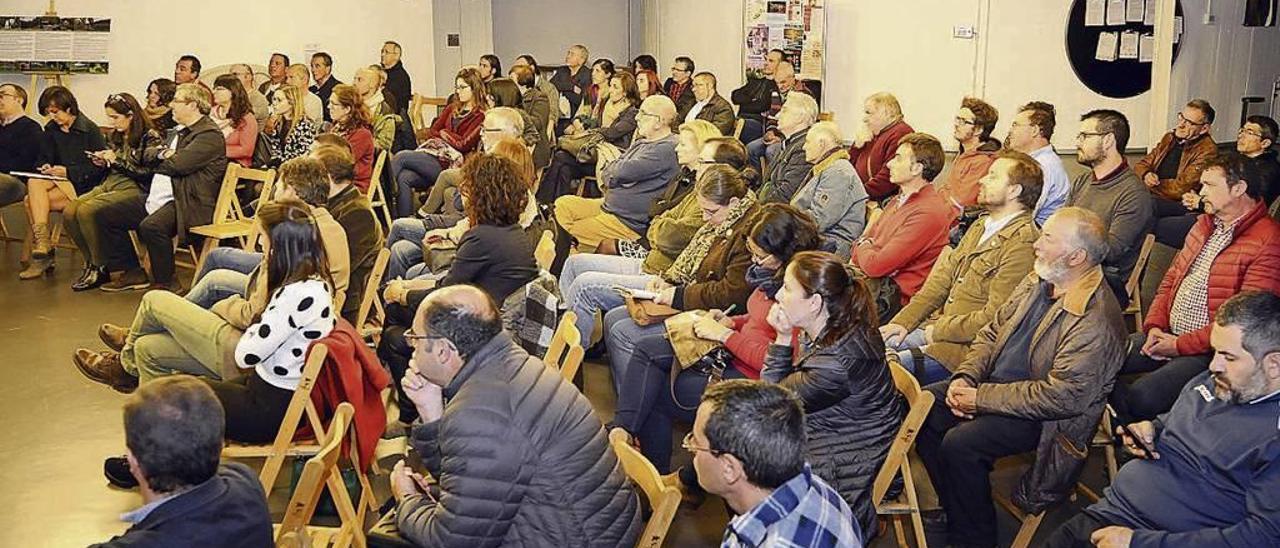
(655, 117)
(462, 314)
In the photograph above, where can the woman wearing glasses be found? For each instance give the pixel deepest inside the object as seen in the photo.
(454, 134)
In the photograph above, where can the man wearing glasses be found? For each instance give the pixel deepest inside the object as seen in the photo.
(1173, 167)
(20, 139)
(679, 86)
(748, 445)
(517, 453)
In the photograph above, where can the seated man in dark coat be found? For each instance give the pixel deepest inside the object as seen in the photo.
(173, 429)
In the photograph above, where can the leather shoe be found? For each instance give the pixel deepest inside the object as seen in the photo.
(113, 336)
(105, 368)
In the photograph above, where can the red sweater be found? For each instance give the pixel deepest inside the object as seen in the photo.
(361, 141)
(242, 140)
(352, 373)
(1250, 261)
(462, 134)
(871, 161)
(752, 335)
(960, 185)
(906, 240)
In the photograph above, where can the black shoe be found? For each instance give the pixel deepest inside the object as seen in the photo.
(93, 276)
(117, 471)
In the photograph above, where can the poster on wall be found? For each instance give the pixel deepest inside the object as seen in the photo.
(795, 26)
(54, 44)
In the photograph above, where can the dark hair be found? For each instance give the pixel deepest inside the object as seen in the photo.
(337, 160)
(731, 152)
(468, 329)
(783, 230)
(282, 56)
(1234, 168)
(308, 177)
(720, 184)
(479, 88)
(1113, 122)
(394, 43)
(985, 116)
(687, 62)
(844, 294)
(606, 65)
(1268, 127)
(173, 426)
(1043, 115)
(296, 252)
(328, 59)
(1257, 313)
(504, 93)
(494, 63)
(762, 425)
(646, 62)
(1204, 107)
(139, 125)
(533, 63)
(1026, 173)
(60, 97)
(522, 75)
(348, 97)
(195, 62)
(496, 192)
(165, 88)
(22, 93)
(629, 89)
(240, 106)
(927, 151)
(333, 139)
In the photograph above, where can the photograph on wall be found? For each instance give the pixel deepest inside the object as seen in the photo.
(55, 44)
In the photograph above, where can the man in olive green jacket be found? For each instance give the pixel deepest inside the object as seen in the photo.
(968, 285)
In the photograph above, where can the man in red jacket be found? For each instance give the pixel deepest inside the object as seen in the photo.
(876, 142)
(1232, 248)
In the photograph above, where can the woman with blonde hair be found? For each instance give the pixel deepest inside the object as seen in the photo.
(289, 130)
(351, 120)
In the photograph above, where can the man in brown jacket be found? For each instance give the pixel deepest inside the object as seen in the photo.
(1173, 167)
(967, 286)
(1036, 379)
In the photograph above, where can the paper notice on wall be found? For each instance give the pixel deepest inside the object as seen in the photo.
(1095, 13)
(1115, 12)
(1149, 14)
(55, 46)
(1128, 45)
(1107, 43)
(1146, 48)
(1177, 29)
(1134, 11)
(811, 60)
(17, 46)
(91, 46)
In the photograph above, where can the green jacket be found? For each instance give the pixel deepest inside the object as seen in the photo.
(670, 231)
(364, 239)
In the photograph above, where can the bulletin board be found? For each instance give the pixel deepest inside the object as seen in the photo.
(797, 27)
(1110, 44)
(51, 44)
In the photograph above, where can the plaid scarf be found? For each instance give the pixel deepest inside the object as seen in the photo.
(684, 268)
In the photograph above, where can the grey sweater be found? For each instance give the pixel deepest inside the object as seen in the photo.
(637, 178)
(1126, 209)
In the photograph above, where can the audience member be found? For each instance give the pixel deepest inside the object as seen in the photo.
(1210, 477)
(902, 246)
(257, 100)
(831, 192)
(678, 86)
(480, 396)
(876, 142)
(1112, 190)
(572, 81)
(173, 429)
(233, 115)
(159, 94)
(1234, 247)
(1029, 133)
(277, 75)
(631, 182)
(455, 133)
(505, 93)
(490, 67)
(353, 122)
(369, 82)
(128, 173)
(789, 167)
(289, 131)
(298, 76)
(754, 97)
(1035, 379)
(770, 142)
(187, 71)
(544, 84)
(20, 143)
(443, 205)
(933, 331)
(827, 350)
(351, 209)
(644, 61)
(753, 435)
(69, 138)
(648, 83)
(322, 73)
(710, 106)
(399, 85)
(567, 166)
(972, 129)
(596, 100)
(1173, 167)
(537, 108)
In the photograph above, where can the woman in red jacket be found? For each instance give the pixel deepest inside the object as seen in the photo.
(351, 120)
(234, 116)
(649, 401)
(454, 134)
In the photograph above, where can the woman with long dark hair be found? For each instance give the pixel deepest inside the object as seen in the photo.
(159, 94)
(128, 176)
(233, 114)
(289, 130)
(353, 121)
(828, 350)
(453, 135)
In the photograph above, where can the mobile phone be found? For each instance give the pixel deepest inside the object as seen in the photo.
(1141, 443)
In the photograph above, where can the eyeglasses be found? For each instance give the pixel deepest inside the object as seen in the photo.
(1247, 131)
(461, 87)
(410, 336)
(964, 122)
(1087, 134)
(679, 69)
(688, 445)
(640, 113)
(702, 162)
(1182, 118)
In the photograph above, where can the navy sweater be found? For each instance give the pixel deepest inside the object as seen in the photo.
(20, 142)
(1217, 482)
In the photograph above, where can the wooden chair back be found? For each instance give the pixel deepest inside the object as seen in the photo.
(321, 471)
(377, 197)
(369, 301)
(545, 253)
(1132, 286)
(565, 352)
(662, 498)
(737, 128)
(897, 462)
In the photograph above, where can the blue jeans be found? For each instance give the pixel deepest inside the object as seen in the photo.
(751, 130)
(621, 335)
(587, 281)
(412, 170)
(218, 285)
(229, 258)
(933, 370)
(404, 239)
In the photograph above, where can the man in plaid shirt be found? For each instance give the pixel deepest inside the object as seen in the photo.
(1234, 247)
(748, 445)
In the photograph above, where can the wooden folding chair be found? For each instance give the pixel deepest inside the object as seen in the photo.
(229, 219)
(565, 351)
(369, 301)
(898, 460)
(1030, 522)
(545, 253)
(664, 499)
(319, 472)
(377, 197)
(1132, 285)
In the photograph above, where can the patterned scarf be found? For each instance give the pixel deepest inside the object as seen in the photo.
(764, 279)
(684, 268)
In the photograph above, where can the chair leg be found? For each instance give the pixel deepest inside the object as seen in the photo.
(1027, 531)
(899, 531)
(917, 521)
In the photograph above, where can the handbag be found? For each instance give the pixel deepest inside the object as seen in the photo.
(692, 353)
(443, 152)
(646, 312)
(582, 145)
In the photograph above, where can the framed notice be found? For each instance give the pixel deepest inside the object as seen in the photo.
(797, 27)
(54, 44)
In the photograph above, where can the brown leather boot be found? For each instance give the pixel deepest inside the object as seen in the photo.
(113, 336)
(41, 241)
(105, 368)
(37, 268)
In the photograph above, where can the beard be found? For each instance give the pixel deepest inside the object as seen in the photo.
(1052, 271)
(1088, 159)
(1252, 388)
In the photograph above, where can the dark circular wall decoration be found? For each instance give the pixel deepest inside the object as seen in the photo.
(1117, 79)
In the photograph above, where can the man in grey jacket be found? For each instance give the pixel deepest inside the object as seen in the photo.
(519, 456)
(832, 193)
(789, 168)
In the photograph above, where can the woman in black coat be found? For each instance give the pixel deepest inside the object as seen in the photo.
(852, 410)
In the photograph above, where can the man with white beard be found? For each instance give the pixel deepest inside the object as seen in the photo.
(1036, 379)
